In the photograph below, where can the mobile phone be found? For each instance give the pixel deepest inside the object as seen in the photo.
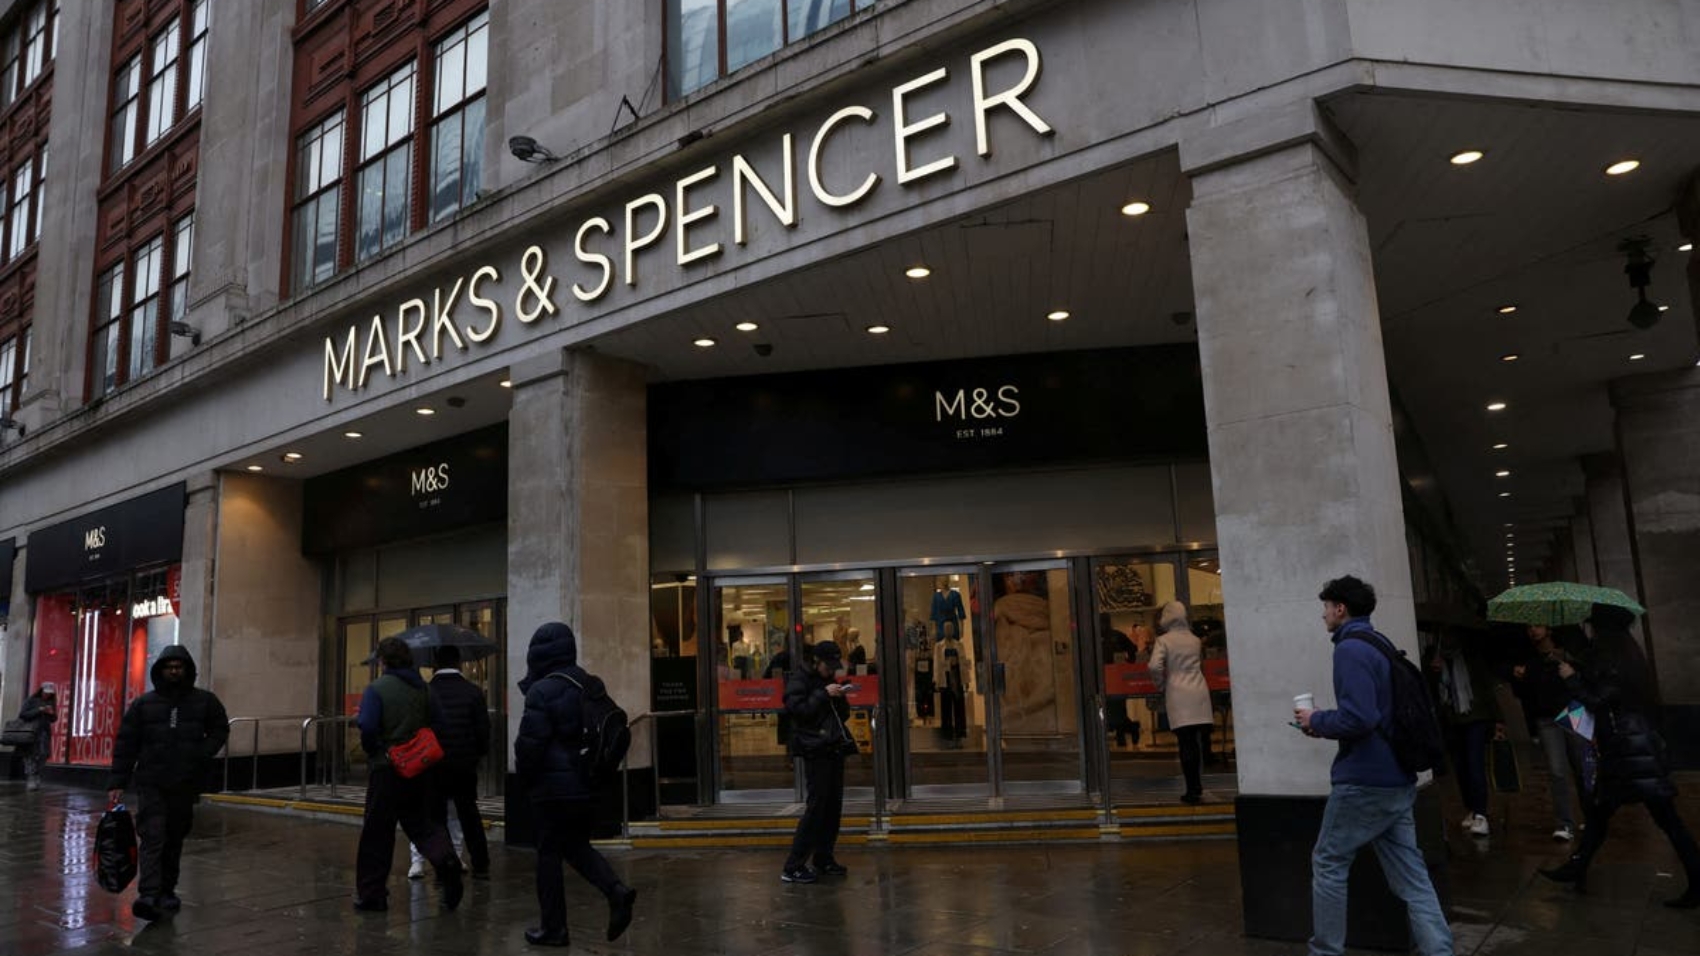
(1295, 725)
(847, 688)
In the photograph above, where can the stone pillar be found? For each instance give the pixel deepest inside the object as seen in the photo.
(241, 184)
(1613, 556)
(1303, 470)
(15, 650)
(64, 291)
(1659, 445)
(195, 589)
(1582, 541)
(578, 522)
(1563, 560)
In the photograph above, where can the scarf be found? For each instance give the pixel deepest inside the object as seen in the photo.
(1455, 684)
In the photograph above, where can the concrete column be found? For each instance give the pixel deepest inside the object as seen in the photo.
(1563, 561)
(195, 589)
(1659, 446)
(15, 646)
(64, 290)
(1303, 470)
(241, 186)
(1582, 541)
(578, 521)
(1613, 556)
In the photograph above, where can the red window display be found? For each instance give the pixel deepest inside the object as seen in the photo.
(96, 646)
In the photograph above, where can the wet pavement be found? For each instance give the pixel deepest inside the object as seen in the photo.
(268, 884)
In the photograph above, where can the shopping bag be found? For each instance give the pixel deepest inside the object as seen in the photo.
(18, 733)
(1506, 777)
(115, 849)
(1577, 719)
(416, 754)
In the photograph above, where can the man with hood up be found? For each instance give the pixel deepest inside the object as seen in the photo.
(165, 749)
(394, 708)
(550, 764)
(40, 711)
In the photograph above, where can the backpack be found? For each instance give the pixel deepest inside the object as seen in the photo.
(606, 736)
(1415, 737)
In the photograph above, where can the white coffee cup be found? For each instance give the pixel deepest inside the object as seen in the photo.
(1304, 702)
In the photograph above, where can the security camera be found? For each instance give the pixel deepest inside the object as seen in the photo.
(763, 349)
(455, 401)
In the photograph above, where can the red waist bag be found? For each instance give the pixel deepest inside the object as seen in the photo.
(416, 754)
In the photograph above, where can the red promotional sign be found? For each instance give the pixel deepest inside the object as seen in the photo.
(1128, 680)
(867, 692)
(1216, 673)
(765, 694)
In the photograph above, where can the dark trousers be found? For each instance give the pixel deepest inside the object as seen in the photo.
(953, 714)
(163, 820)
(1468, 746)
(392, 799)
(460, 787)
(817, 831)
(563, 834)
(1192, 743)
(1664, 814)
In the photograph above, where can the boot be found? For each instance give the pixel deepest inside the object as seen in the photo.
(620, 910)
(1573, 870)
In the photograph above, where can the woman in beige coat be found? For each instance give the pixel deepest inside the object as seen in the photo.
(1178, 671)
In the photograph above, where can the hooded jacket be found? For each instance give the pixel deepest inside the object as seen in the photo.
(393, 708)
(546, 750)
(817, 718)
(1177, 668)
(1614, 683)
(171, 734)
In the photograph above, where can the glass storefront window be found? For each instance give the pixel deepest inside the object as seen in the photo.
(947, 708)
(845, 610)
(751, 659)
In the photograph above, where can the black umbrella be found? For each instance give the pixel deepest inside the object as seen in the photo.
(425, 639)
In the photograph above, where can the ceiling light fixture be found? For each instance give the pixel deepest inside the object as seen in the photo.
(292, 456)
(746, 326)
(1510, 357)
(1465, 158)
(1639, 268)
(255, 468)
(1685, 247)
(506, 383)
(1507, 309)
(1638, 356)
(1505, 494)
(1502, 473)
(1623, 166)
(703, 343)
(1500, 446)
(1057, 316)
(878, 329)
(1136, 208)
(353, 435)
(917, 272)
(425, 410)
(1664, 308)
(1496, 406)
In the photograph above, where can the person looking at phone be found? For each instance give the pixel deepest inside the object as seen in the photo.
(815, 700)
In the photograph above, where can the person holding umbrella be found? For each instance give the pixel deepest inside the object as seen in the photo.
(1615, 683)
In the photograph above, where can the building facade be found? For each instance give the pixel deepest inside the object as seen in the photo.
(964, 333)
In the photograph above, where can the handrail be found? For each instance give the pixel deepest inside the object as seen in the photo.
(254, 748)
(1106, 777)
(655, 765)
(307, 724)
(876, 730)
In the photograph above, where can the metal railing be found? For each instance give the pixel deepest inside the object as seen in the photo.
(877, 730)
(655, 764)
(254, 747)
(328, 775)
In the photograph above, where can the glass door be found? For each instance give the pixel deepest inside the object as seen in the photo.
(944, 709)
(752, 654)
(1032, 678)
(489, 674)
(844, 608)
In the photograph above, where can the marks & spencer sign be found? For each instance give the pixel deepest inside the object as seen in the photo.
(467, 311)
(131, 534)
(455, 483)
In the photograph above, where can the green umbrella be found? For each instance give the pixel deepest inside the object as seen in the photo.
(1556, 602)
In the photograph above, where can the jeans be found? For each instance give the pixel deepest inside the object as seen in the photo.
(1564, 768)
(391, 799)
(163, 819)
(563, 834)
(1382, 818)
(1468, 745)
(817, 831)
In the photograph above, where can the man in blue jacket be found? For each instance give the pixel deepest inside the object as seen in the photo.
(1371, 796)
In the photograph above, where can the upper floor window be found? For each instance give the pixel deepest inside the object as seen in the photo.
(318, 195)
(21, 221)
(751, 29)
(386, 163)
(38, 37)
(148, 98)
(127, 110)
(26, 49)
(14, 371)
(162, 83)
(457, 132)
(199, 16)
(136, 299)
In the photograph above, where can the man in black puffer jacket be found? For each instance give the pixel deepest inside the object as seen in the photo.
(816, 702)
(462, 724)
(549, 764)
(166, 745)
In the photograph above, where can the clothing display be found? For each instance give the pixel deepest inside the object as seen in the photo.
(948, 613)
(953, 689)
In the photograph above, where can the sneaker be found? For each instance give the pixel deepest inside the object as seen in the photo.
(417, 870)
(1478, 825)
(1563, 834)
(801, 874)
(833, 868)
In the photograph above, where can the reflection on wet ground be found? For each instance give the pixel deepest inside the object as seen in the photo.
(270, 885)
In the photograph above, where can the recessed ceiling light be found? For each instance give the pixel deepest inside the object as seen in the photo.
(703, 343)
(1510, 357)
(746, 326)
(425, 410)
(1465, 158)
(1502, 473)
(506, 383)
(1500, 446)
(1505, 494)
(917, 272)
(1637, 357)
(1507, 309)
(1509, 524)
(878, 329)
(1685, 247)
(1136, 208)
(1664, 308)
(1496, 406)
(1623, 166)
(353, 435)
(1057, 316)
(255, 468)
(291, 456)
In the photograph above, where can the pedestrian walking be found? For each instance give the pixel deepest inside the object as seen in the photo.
(1371, 795)
(462, 724)
(815, 699)
(1615, 683)
(394, 708)
(1543, 693)
(1177, 668)
(164, 753)
(550, 761)
(1469, 716)
(40, 710)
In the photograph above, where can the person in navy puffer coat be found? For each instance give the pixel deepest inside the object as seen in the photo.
(549, 766)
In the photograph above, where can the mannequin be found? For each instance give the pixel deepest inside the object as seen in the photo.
(743, 651)
(953, 689)
(921, 663)
(948, 612)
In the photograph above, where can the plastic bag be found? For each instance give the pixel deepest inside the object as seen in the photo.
(115, 849)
